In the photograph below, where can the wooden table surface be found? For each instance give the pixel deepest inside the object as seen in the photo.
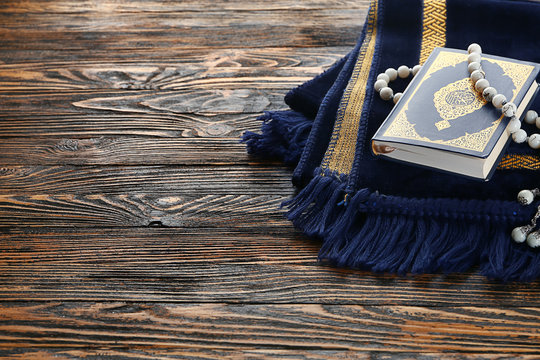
(134, 225)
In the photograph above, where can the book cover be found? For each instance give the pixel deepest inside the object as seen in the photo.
(440, 109)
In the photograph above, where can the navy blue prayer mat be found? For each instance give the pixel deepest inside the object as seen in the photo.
(384, 216)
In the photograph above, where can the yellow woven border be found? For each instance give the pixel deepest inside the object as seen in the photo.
(433, 27)
(339, 156)
(524, 162)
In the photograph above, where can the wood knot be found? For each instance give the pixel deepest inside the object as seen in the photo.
(67, 145)
(157, 224)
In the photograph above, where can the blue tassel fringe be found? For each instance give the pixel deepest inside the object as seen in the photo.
(284, 135)
(355, 236)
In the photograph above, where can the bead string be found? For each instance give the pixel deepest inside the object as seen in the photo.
(525, 197)
(524, 233)
(490, 94)
(391, 74)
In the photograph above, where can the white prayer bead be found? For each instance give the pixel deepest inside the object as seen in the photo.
(509, 109)
(473, 66)
(481, 85)
(489, 93)
(534, 141)
(530, 117)
(538, 122)
(392, 73)
(474, 48)
(498, 100)
(386, 93)
(519, 136)
(474, 57)
(403, 71)
(476, 75)
(416, 69)
(379, 84)
(383, 76)
(525, 197)
(397, 96)
(533, 240)
(514, 125)
(519, 234)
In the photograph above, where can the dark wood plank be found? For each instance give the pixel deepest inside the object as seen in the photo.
(149, 57)
(261, 264)
(124, 150)
(227, 113)
(233, 99)
(288, 327)
(97, 352)
(85, 123)
(172, 209)
(186, 29)
(157, 6)
(178, 70)
(171, 180)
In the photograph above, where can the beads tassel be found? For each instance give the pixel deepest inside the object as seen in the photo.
(508, 109)
(391, 74)
(524, 233)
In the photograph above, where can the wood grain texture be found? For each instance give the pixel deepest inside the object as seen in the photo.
(259, 264)
(234, 100)
(124, 150)
(149, 58)
(87, 123)
(175, 70)
(171, 180)
(87, 113)
(157, 6)
(215, 27)
(290, 326)
(97, 352)
(172, 209)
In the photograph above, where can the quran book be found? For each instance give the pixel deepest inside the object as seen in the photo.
(442, 122)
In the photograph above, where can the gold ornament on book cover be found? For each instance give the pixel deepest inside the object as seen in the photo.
(455, 100)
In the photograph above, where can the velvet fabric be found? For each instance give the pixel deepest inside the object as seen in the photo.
(386, 216)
